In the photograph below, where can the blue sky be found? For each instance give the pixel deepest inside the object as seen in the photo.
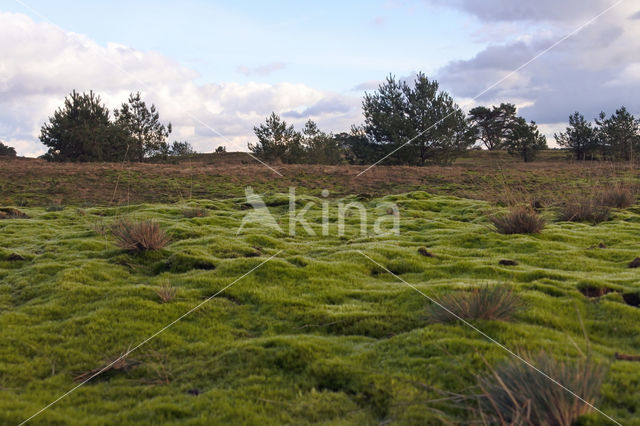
(331, 45)
(226, 65)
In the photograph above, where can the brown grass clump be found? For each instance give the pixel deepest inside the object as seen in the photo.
(519, 220)
(139, 236)
(166, 292)
(619, 197)
(497, 302)
(516, 394)
(120, 363)
(11, 213)
(584, 209)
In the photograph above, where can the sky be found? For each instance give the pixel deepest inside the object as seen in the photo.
(215, 69)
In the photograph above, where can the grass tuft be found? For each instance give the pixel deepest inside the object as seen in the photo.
(584, 209)
(139, 236)
(519, 220)
(166, 292)
(497, 302)
(619, 197)
(514, 393)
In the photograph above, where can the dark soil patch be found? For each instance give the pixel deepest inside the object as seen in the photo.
(592, 292)
(15, 257)
(426, 253)
(632, 299)
(507, 262)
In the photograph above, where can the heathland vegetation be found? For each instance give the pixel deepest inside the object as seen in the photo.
(502, 269)
(540, 256)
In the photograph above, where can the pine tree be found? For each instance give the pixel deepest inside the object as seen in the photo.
(82, 131)
(147, 135)
(421, 119)
(580, 137)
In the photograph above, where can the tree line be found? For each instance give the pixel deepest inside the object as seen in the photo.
(7, 151)
(412, 124)
(83, 130)
(614, 138)
(415, 124)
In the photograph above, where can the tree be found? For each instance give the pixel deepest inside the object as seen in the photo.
(7, 151)
(426, 120)
(525, 140)
(358, 148)
(580, 137)
(493, 126)
(619, 134)
(82, 131)
(147, 135)
(277, 141)
(319, 147)
(181, 149)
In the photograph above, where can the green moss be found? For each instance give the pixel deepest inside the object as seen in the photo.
(319, 334)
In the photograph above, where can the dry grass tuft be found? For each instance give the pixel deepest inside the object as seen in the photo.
(519, 220)
(497, 302)
(120, 363)
(139, 236)
(166, 292)
(11, 213)
(584, 209)
(619, 197)
(515, 394)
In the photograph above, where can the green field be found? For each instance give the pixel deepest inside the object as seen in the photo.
(317, 334)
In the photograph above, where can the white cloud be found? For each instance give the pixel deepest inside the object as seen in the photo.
(594, 70)
(42, 63)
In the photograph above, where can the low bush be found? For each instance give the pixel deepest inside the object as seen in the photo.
(139, 236)
(514, 393)
(496, 302)
(519, 220)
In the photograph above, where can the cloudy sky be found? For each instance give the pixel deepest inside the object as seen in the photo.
(215, 69)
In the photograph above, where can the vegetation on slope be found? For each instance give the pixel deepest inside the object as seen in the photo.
(318, 334)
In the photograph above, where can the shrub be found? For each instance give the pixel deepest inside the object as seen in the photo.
(138, 236)
(166, 292)
(497, 302)
(585, 209)
(618, 197)
(514, 393)
(519, 220)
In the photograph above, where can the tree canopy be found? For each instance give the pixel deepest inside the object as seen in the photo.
(493, 126)
(81, 130)
(7, 151)
(147, 135)
(525, 140)
(420, 116)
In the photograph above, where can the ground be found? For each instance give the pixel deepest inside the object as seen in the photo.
(320, 333)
